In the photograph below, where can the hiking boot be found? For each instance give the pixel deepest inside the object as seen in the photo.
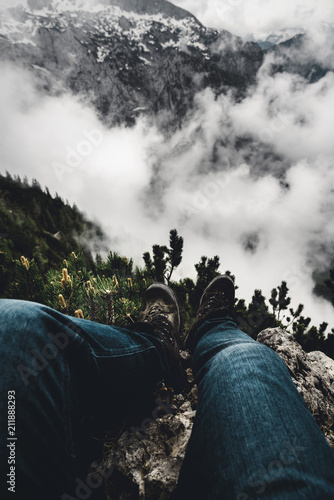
(217, 297)
(160, 309)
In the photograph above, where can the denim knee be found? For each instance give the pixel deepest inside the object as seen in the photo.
(32, 336)
(230, 359)
(22, 319)
(19, 314)
(250, 356)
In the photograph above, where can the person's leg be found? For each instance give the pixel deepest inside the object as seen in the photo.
(58, 368)
(253, 437)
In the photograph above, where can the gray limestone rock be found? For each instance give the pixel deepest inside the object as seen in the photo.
(147, 459)
(313, 374)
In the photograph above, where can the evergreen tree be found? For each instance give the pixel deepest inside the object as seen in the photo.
(159, 262)
(165, 260)
(257, 317)
(329, 283)
(279, 299)
(28, 283)
(174, 252)
(329, 345)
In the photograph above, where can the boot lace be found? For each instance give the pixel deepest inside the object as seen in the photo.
(160, 323)
(216, 300)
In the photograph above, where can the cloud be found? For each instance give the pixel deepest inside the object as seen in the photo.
(290, 114)
(251, 181)
(243, 17)
(317, 46)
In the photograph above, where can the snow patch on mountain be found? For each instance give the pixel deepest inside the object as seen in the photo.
(104, 21)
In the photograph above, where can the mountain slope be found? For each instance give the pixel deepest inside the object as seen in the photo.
(295, 56)
(150, 7)
(35, 224)
(267, 40)
(144, 58)
(134, 57)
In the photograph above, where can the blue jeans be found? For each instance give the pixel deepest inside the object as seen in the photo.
(253, 436)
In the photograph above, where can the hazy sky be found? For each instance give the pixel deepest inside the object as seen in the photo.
(243, 17)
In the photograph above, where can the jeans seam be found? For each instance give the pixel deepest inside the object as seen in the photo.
(120, 353)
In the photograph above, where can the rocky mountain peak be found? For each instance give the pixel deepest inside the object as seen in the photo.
(131, 57)
(152, 7)
(134, 57)
(149, 7)
(39, 4)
